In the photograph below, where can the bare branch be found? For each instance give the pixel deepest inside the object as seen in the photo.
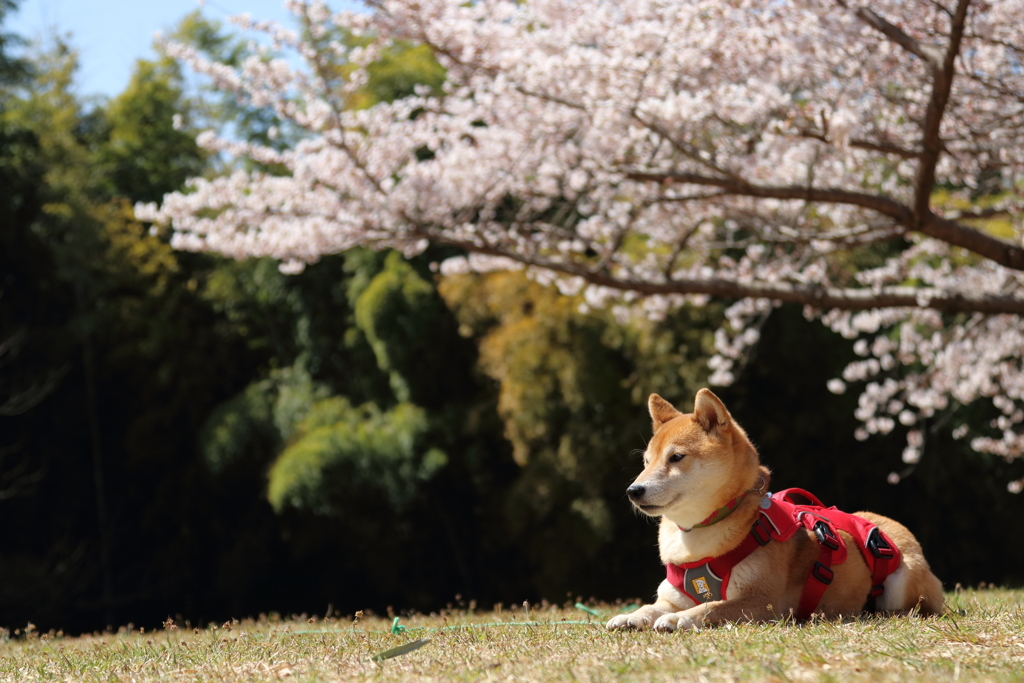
(835, 195)
(942, 8)
(687, 198)
(885, 148)
(929, 54)
(686, 150)
(972, 239)
(861, 143)
(678, 249)
(984, 213)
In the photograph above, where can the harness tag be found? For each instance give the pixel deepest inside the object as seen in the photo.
(702, 584)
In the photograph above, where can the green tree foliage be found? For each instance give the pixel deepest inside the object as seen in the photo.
(395, 74)
(346, 459)
(127, 359)
(573, 406)
(403, 319)
(353, 473)
(29, 339)
(13, 70)
(144, 154)
(399, 70)
(243, 431)
(369, 384)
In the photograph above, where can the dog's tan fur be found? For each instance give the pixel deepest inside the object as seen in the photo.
(719, 464)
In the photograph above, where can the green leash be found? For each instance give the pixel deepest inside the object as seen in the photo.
(399, 628)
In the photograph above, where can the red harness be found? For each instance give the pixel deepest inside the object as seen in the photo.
(780, 516)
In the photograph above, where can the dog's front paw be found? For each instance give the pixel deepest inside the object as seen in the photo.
(677, 621)
(637, 621)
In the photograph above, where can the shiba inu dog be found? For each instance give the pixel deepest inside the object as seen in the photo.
(704, 478)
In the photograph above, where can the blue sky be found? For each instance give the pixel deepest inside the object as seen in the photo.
(111, 34)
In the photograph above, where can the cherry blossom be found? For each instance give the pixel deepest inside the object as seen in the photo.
(863, 161)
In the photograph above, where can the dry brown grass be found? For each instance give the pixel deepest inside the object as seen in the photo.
(981, 639)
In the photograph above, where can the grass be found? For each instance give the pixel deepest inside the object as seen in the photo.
(981, 639)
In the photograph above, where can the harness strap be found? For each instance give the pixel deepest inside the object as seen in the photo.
(885, 560)
(724, 564)
(817, 581)
(821, 574)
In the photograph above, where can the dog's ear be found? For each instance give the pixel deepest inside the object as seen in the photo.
(661, 411)
(710, 412)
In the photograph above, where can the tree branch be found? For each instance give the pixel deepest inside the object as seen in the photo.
(931, 142)
(985, 213)
(957, 234)
(885, 148)
(834, 195)
(685, 149)
(929, 54)
(815, 296)
(860, 143)
(972, 239)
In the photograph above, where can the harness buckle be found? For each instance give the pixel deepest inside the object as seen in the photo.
(760, 533)
(825, 535)
(823, 573)
(876, 591)
(878, 546)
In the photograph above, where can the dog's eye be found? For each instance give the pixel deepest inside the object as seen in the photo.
(676, 457)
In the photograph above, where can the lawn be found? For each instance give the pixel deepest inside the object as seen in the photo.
(981, 639)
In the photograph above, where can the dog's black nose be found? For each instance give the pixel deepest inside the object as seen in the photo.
(636, 491)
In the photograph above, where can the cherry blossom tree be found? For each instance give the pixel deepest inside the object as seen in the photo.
(863, 161)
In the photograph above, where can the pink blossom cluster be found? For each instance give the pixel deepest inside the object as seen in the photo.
(941, 358)
(651, 152)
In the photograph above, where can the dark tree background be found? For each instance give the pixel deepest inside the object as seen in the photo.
(183, 435)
